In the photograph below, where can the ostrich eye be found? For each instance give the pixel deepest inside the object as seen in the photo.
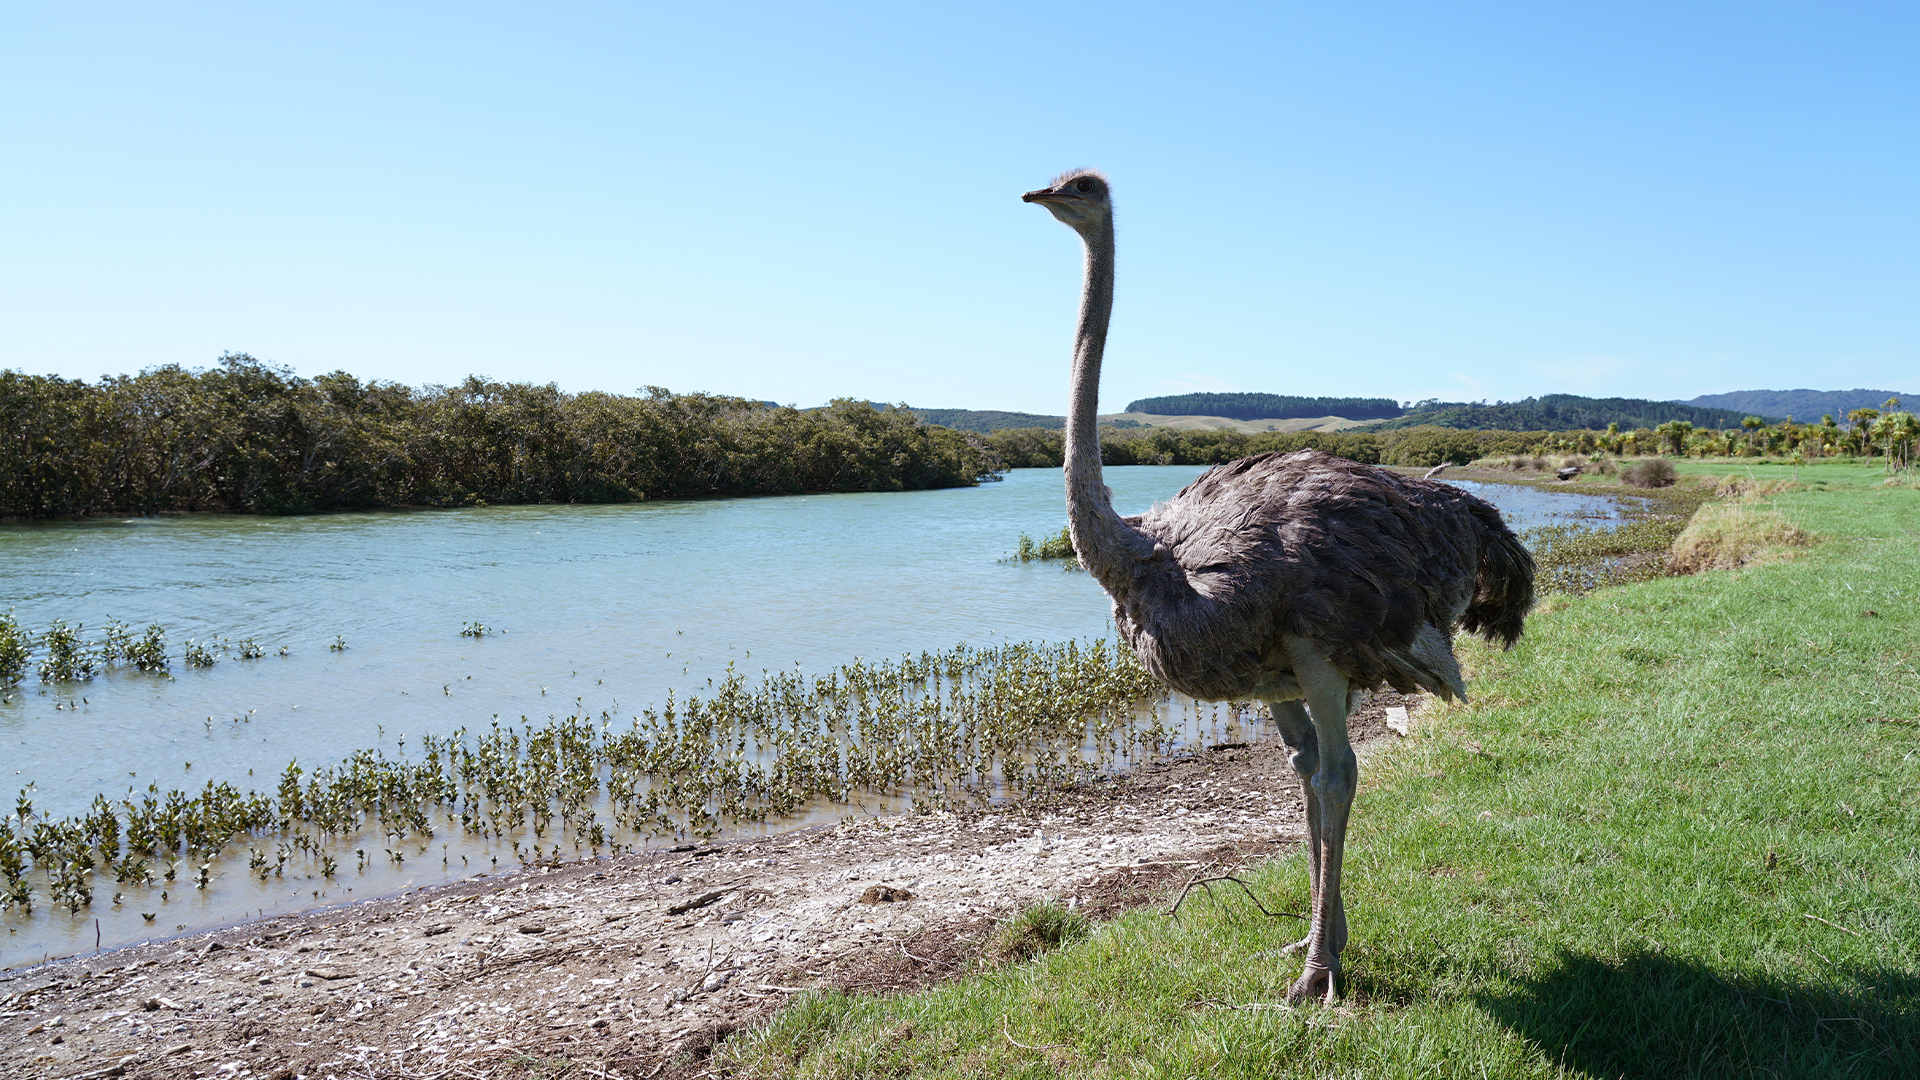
(1083, 185)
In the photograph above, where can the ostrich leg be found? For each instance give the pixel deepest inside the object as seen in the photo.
(1297, 731)
(1329, 801)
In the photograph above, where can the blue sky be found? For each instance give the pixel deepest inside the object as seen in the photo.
(798, 202)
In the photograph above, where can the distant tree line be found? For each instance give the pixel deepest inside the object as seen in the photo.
(1560, 412)
(246, 436)
(1868, 432)
(1416, 447)
(1267, 406)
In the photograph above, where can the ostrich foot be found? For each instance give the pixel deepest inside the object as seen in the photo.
(1316, 981)
(1298, 946)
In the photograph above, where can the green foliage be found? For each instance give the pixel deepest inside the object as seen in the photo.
(1794, 402)
(150, 652)
(987, 421)
(1266, 406)
(1058, 546)
(1425, 447)
(1561, 412)
(197, 655)
(1037, 448)
(245, 436)
(68, 658)
(1579, 559)
(1038, 930)
(14, 651)
(964, 727)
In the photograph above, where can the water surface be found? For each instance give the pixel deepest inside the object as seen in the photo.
(589, 608)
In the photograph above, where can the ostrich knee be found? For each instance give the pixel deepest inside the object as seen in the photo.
(1296, 730)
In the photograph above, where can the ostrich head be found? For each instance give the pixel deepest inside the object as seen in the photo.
(1078, 198)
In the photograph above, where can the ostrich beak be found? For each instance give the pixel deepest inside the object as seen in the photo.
(1047, 195)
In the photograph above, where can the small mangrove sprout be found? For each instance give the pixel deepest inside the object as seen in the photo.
(68, 658)
(14, 653)
(1058, 546)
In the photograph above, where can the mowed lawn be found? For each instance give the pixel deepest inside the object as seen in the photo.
(1676, 833)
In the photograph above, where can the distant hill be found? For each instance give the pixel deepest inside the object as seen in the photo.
(1562, 412)
(1227, 423)
(1801, 404)
(987, 421)
(1267, 406)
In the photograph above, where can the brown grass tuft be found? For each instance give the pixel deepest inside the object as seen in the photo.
(1651, 473)
(1725, 535)
(1744, 487)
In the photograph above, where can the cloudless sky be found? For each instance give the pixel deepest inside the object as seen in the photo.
(804, 201)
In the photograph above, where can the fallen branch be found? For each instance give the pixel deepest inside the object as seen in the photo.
(700, 901)
(1207, 884)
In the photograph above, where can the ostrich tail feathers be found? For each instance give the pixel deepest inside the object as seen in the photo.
(1503, 592)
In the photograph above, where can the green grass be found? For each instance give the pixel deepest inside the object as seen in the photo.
(1676, 834)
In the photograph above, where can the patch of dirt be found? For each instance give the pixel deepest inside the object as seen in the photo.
(638, 966)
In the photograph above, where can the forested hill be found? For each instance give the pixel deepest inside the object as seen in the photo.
(987, 420)
(1267, 406)
(1799, 404)
(1564, 412)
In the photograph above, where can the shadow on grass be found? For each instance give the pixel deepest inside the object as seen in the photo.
(1653, 1015)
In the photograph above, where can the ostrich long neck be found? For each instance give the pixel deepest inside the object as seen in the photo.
(1107, 546)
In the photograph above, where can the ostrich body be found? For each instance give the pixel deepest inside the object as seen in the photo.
(1299, 579)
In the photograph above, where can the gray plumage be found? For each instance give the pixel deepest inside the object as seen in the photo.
(1375, 568)
(1284, 577)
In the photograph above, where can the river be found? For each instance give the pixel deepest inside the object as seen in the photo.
(586, 608)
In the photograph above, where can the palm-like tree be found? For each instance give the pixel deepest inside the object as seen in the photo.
(1829, 434)
(1674, 433)
(1862, 432)
(1897, 433)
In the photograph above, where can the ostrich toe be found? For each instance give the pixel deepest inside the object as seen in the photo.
(1316, 981)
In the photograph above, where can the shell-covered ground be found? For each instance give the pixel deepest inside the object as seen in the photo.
(636, 966)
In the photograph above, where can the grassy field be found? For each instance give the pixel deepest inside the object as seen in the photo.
(1676, 834)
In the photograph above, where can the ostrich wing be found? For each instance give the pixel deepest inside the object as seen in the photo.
(1375, 569)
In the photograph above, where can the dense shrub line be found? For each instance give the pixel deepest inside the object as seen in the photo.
(246, 436)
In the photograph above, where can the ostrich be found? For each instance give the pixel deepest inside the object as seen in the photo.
(1299, 579)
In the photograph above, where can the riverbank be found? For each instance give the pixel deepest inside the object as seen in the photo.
(1672, 836)
(637, 965)
(1471, 866)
